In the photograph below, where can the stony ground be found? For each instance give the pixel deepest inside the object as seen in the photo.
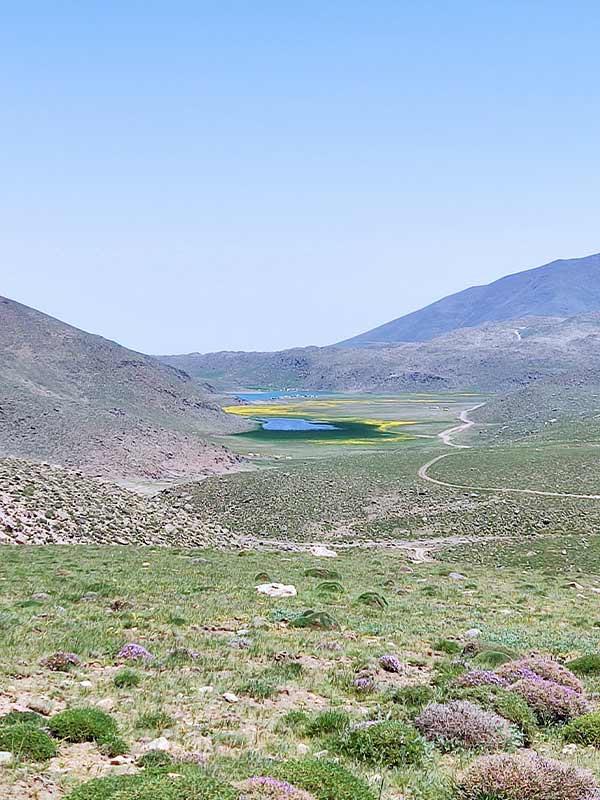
(228, 666)
(40, 504)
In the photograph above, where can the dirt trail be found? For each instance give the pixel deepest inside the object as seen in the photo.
(445, 436)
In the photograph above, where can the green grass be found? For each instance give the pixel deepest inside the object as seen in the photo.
(286, 669)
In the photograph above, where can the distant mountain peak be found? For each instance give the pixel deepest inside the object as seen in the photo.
(562, 288)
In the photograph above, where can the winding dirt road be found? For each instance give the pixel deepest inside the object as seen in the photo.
(466, 423)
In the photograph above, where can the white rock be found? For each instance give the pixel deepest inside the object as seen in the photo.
(456, 576)
(162, 743)
(106, 704)
(569, 748)
(206, 689)
(322, 551)
(302, 749)
(472, 633)
(6, 758)
(85, 684)
(277, 590)
(231, 697)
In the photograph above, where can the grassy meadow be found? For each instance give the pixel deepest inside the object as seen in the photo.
(347, 690)
(198, 613)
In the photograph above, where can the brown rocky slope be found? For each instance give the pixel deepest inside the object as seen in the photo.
(79, 400)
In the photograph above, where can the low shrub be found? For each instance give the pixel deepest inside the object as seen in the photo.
(584, 730)
(26, 740)
(503, 702)
(86, 724)
(61, 662)
(524, 777)
(461, 723)
(481, 677)
(390, 663)
(585, 665)
(385, 743)
(325, 779)
(134, 652)
(544, 667)
(127, 679)
(364, 686)
(550, 701)
(180, 785)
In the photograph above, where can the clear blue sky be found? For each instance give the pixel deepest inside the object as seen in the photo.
(255, 175)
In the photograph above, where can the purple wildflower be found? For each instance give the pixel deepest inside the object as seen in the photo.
(481, 677)
(390, 663)
(61, 662)
(364, 685)
(134, 652)
(544, 667)
(550, 701)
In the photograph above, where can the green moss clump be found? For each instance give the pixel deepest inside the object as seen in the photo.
(491, 658)
(584, 730)
(321, 620)
(325, 779)
(154, 759)
(327, 722)
(586, 665)
(30, 717)
(322, 572)
(387, 743)
(372, 599)
(86, 724)
(127, 679)
(191, 784)
(113, 746)
(26, 740)
(413, 697)
(448, 646)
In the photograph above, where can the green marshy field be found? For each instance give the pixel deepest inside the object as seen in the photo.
(333, 424)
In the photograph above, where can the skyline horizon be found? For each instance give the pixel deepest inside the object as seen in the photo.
(296, 346)
(249, 177)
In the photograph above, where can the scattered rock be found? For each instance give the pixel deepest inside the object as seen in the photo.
(162, 743)
(322, 552)
(277, 590)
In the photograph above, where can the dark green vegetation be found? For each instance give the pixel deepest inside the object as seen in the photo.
(27, 741)
(295, 685)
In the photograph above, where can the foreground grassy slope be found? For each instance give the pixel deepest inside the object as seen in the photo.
(199, 614)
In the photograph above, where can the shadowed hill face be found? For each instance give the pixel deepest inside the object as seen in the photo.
(562, 288)
(78, 399)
